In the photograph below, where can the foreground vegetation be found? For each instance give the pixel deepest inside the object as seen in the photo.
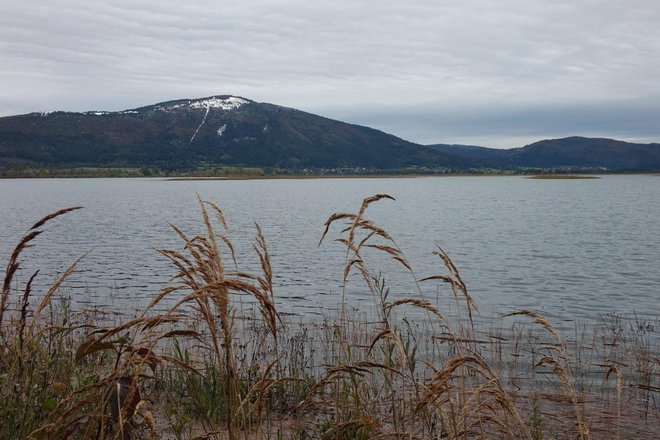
(194, 364)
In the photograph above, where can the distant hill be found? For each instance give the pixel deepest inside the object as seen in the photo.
(588, 153)
(566, 153)
(233, 131)
(225, 130)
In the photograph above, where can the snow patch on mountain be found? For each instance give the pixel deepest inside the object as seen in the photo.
(200, 125)
(229, 103)
(221, 130)
(223, 103)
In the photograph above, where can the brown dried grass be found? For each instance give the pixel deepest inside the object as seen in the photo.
(373, 382)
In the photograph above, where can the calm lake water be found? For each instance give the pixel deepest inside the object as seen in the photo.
(571, 249)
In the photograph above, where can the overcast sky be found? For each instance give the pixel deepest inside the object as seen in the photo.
(495, 73)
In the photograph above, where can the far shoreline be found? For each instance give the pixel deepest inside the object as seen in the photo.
(132, 174)
(397, 176)
(329, 176)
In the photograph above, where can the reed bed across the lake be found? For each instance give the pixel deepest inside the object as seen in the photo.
(197, 363)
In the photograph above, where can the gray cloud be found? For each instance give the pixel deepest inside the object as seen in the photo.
(428, 71)
(506, 126)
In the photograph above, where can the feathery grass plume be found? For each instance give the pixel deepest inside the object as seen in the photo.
(334, 217)
(613, 369)
(21, 350)
(265, 294)
(353, 256)
(455, 280)
(24, 243)
(486, 402)
(202, 273)
(12, 267)
(36, 353)
(104, 407)
(53, 289)
(561, 368)
(540, 320)
(359, 235)
(255, 397)
(419, 303)
(357, 378)
(24, 310)
(52, 215)
(111, 402)
(395, 339)
(340, 372)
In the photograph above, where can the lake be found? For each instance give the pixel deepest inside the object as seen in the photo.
(570, 249)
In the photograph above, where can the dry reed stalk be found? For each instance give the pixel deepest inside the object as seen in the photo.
(561, 368)
(455, 280)
(395, 339)
(12, 267)
(334, 217)
(255, 396)
(465, 392)
(66, 420)
(540, 320)
(619, 392)
(265, 296)
(357, 223)
(419, 303)
(354, 260)
(202, 272)
(122, 398)
(339, 372)
(439, 393)
(53, 289)
(24, 311)
(52, 215)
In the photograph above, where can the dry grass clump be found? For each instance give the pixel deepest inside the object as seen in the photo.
(208, 288)
(208, 368)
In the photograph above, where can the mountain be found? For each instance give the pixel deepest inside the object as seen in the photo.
(567, 153)
(219, 130)
(588, 153)
(230, 130)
